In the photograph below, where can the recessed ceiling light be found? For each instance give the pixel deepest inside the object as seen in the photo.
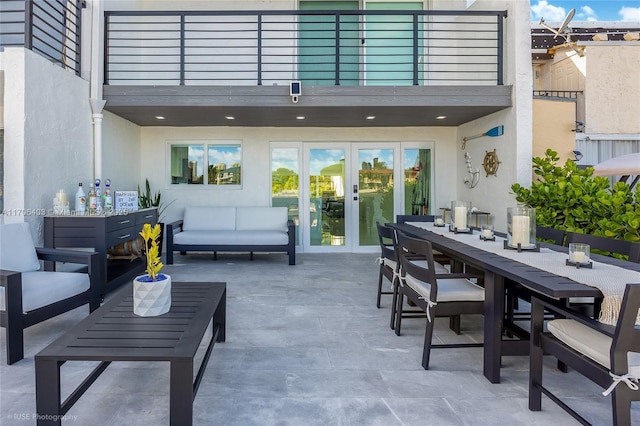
(441, 117)
(371, 117)
(159, 117)
(300, 117)
(229, 117)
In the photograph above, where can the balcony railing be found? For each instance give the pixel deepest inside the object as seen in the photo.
(336, 48)
(50, 28)
(564, 94)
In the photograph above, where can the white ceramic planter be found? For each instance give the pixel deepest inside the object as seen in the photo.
(151, 298)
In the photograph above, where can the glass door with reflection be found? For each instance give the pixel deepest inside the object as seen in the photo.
(375, 192)
(326, 196)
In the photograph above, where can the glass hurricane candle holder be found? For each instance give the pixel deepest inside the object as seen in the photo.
(486, 233)
(438, 221)
(579, 255)
(460, 215)
(521, 228)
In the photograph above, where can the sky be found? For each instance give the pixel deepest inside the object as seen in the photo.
(586, 10)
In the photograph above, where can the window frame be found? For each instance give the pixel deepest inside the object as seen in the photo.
(205, 144)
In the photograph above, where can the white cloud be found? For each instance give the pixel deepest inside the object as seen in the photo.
(587, 14)
(547, 11)
(630, 14)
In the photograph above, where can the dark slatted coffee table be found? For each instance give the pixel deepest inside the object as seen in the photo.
(114, 333)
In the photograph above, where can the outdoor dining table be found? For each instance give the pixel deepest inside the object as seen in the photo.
(497, 269)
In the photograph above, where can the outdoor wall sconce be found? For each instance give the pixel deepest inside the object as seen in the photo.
(496, 131)
(578, 155)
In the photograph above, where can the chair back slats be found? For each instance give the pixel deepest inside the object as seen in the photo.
(416, 249)
(622, 247)
(402, 218)
(552, 235)
(386, 236)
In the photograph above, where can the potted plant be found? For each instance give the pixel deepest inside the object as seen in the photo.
(148, 199)
(152, 291)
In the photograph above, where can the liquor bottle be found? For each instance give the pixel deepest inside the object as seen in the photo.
(92, 200)
(98, 197)
(108, 198)
(81, 200)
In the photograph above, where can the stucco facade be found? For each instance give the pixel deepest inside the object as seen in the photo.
(50, 140)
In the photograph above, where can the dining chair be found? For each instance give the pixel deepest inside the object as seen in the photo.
(550, 235)
(609, 356)
(387, 260)
(29, 296)
(410, 312)
(608, 246)
(437, 294)
(403, 218)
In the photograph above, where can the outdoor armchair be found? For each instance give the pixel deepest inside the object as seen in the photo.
(437, 294)
(28, 295)
(607, 355)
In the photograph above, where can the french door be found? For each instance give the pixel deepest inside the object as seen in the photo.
(336, 192)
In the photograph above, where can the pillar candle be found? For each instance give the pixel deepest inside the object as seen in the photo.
(61, 196)
(520, 230)
(579, 257)
(460, 217)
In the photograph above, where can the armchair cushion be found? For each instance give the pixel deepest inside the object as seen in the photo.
(590, 342)
(16, 246)
(42, 288)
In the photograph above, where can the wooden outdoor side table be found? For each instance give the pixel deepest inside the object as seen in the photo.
(114, 333)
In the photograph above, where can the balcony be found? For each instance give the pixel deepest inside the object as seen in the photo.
(405, 68)
(50, 28)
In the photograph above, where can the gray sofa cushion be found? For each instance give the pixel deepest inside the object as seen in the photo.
(207, 218)
(261, 219)
(234, 238)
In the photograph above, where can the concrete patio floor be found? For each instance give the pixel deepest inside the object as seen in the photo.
(306, 346)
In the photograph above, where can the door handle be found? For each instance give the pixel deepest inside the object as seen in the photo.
(355, 189)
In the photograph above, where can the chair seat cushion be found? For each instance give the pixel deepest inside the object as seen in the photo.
(451, 290)
(42, 288)
(389, 263)
(590, 342)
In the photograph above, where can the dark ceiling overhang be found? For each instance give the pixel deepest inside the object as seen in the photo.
(321, 106)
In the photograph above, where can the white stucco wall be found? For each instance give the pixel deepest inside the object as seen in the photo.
(612, 88)
(514, 148)
(256, 188)
(48, 134)
(120, 152)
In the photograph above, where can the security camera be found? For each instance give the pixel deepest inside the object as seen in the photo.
(295, 90)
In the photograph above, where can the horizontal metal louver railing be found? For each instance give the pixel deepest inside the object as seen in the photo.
(337, 48)
(50, 28)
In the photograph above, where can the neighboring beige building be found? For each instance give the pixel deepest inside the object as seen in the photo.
(586, 95)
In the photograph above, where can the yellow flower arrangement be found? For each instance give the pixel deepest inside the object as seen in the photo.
(150, 236)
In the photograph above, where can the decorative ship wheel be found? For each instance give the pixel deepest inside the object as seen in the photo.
(491, 163)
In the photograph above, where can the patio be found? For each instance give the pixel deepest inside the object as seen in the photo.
(306, 345)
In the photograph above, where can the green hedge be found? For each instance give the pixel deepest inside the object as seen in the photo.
(573, 199)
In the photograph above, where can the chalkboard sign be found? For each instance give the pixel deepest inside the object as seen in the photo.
(126, 200)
